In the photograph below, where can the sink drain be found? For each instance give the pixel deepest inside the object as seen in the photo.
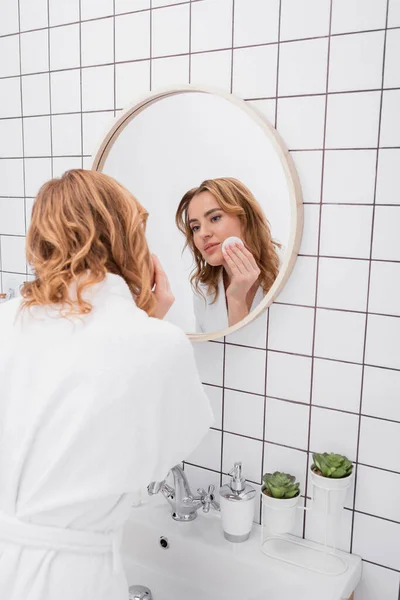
(139, 592)
(164, 543)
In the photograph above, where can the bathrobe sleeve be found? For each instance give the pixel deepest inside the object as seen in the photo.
(199, 307)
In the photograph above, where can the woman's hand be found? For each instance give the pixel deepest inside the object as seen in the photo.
(244, 274)
(161, 291)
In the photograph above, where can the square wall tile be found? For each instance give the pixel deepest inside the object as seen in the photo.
(392, 71)
(12, 216)
(352, 120)
(9, 18)
(303, 67)
(338, 534)
(244, 413)
(10, 97)
(286, 423)
(66, 135)
(97, 39)
(132, 36)
(34, 52)
(124, 6)
(383, 334)
(291, 329)
(340, 335)
(65, 163)
(286, 460)
(10, 138)
(301, 122)
(36, 94)
(211, 25)
(343, 283)
(384, 295)
(61, 12)
(210, 361)
(357, 15)
(11, 177)
(33, 15)
(98, 88)
(169, 71)
(309, 169)
(93, 10)
(266, 108)
(132, 82)
(377, 582)
(346, 231)
(300, 289)
(254, 71)
(13, 254)
(9, 47)
(256, 22)
(337, 385)
(61, 38)
(95, 125)
(377, 540)
(215, 394)
(37, 172)
(245, 369)
(309, 240)
(381, 393)
(170, 30)
(237, 448)
(379, 443)
(65, 91)
(369, 496)
(288, 376)
(386, 242)
(254, 334)
(349, 176)
(212, 68)
(208, 452)
(394, 13)
(325, 425)
(390, 124)
(37, 140)
(388, 182)
(158, 3)
(309, 18)
(356, 61)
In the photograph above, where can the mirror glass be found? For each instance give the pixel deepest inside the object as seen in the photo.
(163, 151)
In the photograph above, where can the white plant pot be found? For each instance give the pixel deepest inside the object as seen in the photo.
(329, 494)
(279, 516)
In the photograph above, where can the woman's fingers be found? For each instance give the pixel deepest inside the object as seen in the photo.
(234, 261)
(240, 255)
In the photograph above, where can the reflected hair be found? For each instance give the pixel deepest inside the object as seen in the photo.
(234, 198)
(86, 223)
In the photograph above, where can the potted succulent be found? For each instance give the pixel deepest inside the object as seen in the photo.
(280, 497)
(331, 476)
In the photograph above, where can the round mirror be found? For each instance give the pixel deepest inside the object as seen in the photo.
(208, 167)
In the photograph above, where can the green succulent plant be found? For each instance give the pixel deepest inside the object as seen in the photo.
(332, 465)
(280, 485)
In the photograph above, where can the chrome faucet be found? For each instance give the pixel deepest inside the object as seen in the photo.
(183, 503)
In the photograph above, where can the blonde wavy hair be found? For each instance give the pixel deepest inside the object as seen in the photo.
(234, 198)
(86, 223)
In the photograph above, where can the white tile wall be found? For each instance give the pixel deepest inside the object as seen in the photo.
(294, 358)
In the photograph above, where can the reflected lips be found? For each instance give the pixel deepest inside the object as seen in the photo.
(208, 248)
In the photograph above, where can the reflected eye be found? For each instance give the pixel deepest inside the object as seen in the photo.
(215, 218)
(195, 228)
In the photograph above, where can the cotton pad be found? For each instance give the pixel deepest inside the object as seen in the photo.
(230, 241)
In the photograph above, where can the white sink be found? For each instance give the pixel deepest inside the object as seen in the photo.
(200, 564)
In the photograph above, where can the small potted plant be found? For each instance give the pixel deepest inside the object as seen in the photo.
(331, 476)
(280, 497)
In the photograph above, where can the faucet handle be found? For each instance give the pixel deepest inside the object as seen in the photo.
(208, 499)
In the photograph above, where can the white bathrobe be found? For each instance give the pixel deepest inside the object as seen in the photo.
(91, 410)
(214, 316)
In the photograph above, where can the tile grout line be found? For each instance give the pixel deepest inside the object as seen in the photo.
(50, 103)
(369, 284)
(81, 79)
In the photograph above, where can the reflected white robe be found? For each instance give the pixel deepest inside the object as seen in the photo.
(214, 316)
(91, 410)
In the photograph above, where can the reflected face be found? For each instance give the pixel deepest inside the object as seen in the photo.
(210, 226)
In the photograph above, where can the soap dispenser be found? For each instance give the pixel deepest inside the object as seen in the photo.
(237, 500)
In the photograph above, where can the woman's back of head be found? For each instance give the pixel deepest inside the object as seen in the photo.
(86, 223)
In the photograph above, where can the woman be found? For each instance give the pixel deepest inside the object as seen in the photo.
(97, 397)
(228, 281)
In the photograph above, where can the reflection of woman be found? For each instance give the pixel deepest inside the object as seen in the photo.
(97, 399)
(228, 283)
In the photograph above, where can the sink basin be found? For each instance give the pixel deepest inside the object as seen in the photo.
(199, 564)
